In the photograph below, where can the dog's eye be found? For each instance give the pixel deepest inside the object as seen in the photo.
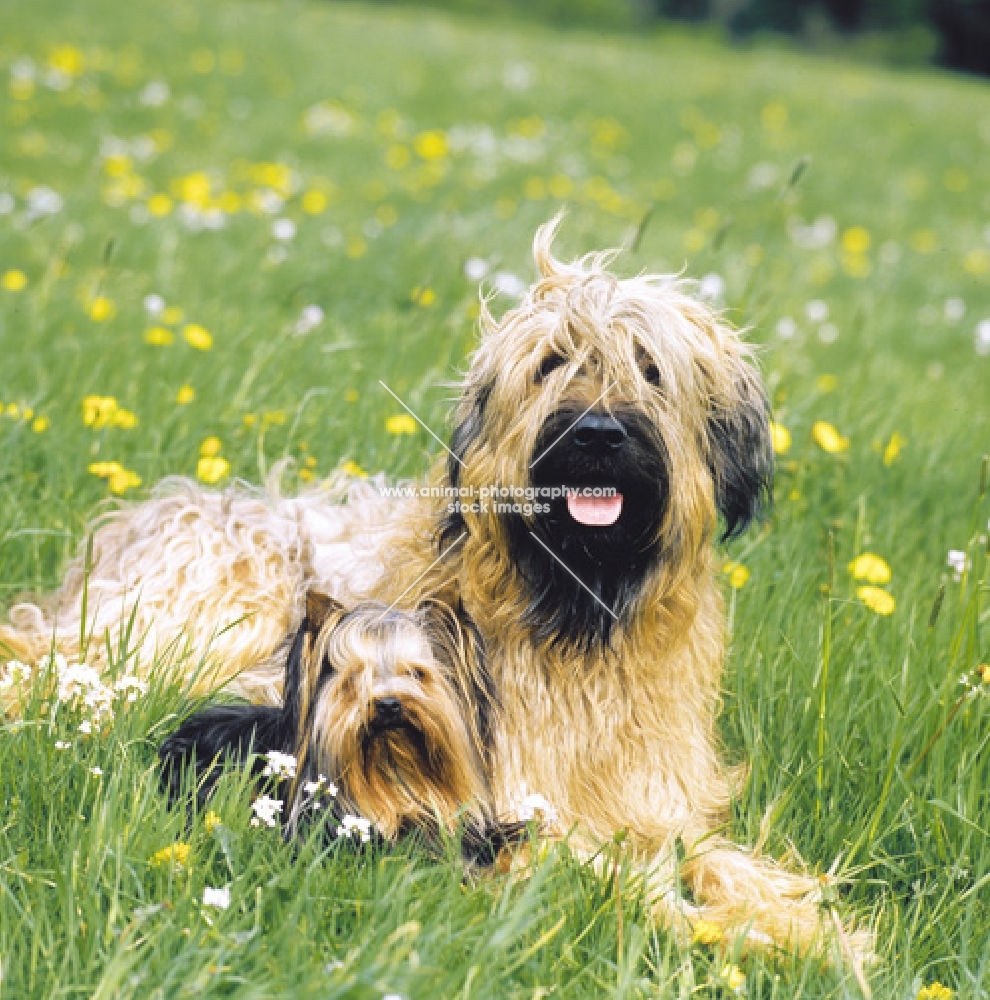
(652, 374)
(550, 364)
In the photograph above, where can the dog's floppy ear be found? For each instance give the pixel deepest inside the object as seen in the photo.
(319, 607)
(741, 451)
(301, 675)
(467, 431)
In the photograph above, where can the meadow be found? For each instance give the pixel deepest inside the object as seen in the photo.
(221, 224)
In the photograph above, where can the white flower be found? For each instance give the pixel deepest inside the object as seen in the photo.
(393, 996)
(130, 687)
(816, 311)
(763, 175)
(518, 76)
(536, 807)
(62, 744)
(98, 771)
(13, 673)
(220, 898)
(309, 319)
(786, 327)
(355, 826)
(955, 309)
(280, 765)
(44, 201)
(712, 287)
(155, 94)
(828, 333)
(270, 202)
(266, 810)
(958, 562)
(509, 284)
(982, 337)
(475, 268)
(86, 727)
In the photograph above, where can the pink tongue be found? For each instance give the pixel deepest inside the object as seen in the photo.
(594, 511)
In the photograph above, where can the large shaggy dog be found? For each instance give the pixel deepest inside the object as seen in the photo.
(600, 615)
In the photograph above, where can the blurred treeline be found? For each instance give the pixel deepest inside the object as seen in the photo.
(955, 33)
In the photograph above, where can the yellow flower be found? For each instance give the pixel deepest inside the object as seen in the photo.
(124, 419)
(185, 395)
(196, 336)
(877, 600)
(935, 991)
(193, 188)
(40, 425)
(14, 280)
(977, 261)
(856, 239)
(871, 568)
(781, 438)
(119, 479)
(314, 202)
(67, 59)
(212, 470)
(122, 481)
(396, 157)
(827, 383)
(828, 438)
(210, 447)
(101, 308)
(105, 469)
(98, 411)
(984, 671)
(707, 932)
(737, 574)
(734, 978)
(351, 468)
(401, 423)
(424, 296)
(431, 145)
(351, 395)
(924, 241)
(211, 821)
(159, 205)
(774, 116)
(176, 854)
(158, 336)
(172, 315)
(893, 449)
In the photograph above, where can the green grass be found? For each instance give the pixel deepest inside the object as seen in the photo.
(610, 126)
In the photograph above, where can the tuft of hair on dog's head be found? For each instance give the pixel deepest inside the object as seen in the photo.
(630, 386)
(391, 705)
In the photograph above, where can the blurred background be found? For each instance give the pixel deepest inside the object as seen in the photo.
(952, 33)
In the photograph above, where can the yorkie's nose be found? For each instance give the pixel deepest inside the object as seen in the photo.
(388, 710)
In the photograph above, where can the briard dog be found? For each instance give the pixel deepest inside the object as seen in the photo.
(383, 718)
(604, 428)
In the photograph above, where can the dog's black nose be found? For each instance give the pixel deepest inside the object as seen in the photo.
(388, 710)
(598, 432)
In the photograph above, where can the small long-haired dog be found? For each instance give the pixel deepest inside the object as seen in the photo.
(601, 616)
(385, 705)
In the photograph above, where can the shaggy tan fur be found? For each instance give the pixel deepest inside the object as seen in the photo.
(617, 738)
(427, 771)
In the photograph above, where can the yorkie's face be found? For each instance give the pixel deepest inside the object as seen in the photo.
(386, 721)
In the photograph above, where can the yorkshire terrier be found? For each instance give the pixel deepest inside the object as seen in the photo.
(387, 710)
